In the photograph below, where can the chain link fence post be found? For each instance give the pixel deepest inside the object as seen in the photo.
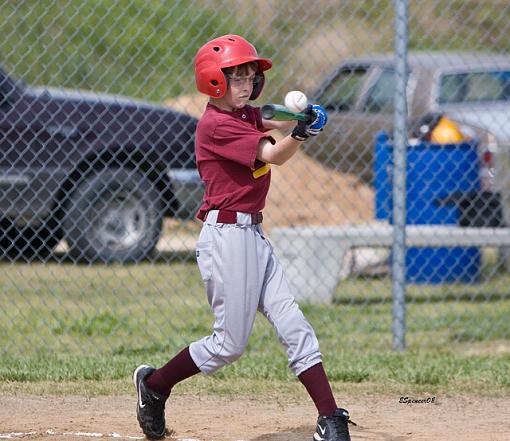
(399, 178)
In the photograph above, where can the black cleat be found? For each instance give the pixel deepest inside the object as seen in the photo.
(333, 428)
(150, 406)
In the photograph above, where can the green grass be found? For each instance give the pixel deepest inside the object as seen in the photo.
(145, 48)
(140, 48)
(85, 327)
(88, 326)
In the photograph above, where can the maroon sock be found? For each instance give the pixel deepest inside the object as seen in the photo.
(177, 369)
(319, 389)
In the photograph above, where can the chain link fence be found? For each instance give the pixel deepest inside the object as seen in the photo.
(98, 187)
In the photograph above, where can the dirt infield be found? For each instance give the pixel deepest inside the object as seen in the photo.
(207, 418)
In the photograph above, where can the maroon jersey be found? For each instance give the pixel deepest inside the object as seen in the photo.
(226, 146)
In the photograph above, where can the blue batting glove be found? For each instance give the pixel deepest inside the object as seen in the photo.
(320, 121)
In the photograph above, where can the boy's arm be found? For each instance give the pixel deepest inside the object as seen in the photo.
(277, 153)
(283, 149)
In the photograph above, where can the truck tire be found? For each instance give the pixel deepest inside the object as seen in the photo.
(114, 215)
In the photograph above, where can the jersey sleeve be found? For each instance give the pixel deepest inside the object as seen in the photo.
(237, 141)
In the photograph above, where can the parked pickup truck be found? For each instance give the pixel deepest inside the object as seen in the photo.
(471, 89)
(97, 170)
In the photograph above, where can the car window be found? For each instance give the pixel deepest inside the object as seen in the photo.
(340, 94)
(475, 87)
(381, 95)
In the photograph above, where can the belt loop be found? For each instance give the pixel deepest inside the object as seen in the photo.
(211, 217)
(244, 218)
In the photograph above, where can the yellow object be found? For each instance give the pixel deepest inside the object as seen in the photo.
(446, 132)
(261, 171)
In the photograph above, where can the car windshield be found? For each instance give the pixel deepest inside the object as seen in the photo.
(475, 87)
(341, 93)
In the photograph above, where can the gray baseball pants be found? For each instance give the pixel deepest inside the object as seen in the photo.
(242, 275)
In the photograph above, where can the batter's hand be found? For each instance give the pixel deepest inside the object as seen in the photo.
(317, 118)
(319, 122)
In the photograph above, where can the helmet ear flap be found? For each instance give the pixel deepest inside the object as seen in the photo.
(212, 82)
(258, 86)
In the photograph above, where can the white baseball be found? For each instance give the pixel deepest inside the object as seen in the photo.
(296, 101)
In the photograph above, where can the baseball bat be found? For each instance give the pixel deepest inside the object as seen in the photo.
(281, 113)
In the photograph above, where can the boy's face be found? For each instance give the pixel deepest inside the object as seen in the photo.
(240, 87)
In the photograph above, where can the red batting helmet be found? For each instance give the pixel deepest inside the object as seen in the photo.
(222, 52)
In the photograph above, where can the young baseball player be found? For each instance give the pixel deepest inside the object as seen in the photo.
(238, 266)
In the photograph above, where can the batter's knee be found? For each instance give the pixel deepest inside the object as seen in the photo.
(230, 352)
(211, 354)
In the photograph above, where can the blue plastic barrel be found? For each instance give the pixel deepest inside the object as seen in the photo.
(434, 172)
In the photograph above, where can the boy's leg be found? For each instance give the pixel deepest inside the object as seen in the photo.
(298, 337)
(293, 330)
(153, 386)
(226, 258)
(296, 334)
(317, 385)
(233, 285)
(179, 368)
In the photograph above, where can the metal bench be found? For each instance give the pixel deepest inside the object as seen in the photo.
(313, 257)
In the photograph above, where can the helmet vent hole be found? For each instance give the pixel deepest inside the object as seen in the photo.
(216, 48)
(231, 39)
(214, 82)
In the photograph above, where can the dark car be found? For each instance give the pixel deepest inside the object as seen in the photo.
(99, 171)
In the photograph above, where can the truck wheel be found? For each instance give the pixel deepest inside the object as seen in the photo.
(115, 215)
